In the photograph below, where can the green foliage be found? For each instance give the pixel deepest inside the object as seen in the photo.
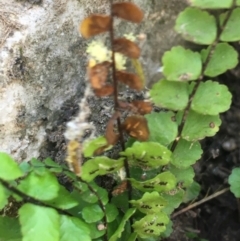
(148, 154)
(231, 33)
(72, 228)
(111, 212)
(170, 95)
(10, 229)
(9, 169)
(186, 153)
(212, 4)
(89, 197)
(100, 166)
(158, 169)
(88, 212)
(192, 192)
(39, 223)
(184, 176)
(224, 57)
(3, 197)
(63, 200)
(162, 127)
(151, 225)
(122, 224)
(199, 126)
(234, 181)
(163, 182)
(194, 236)
(211, 98)
(181, 64)
(91, 146)
(43, 187)
(150, 203)
(174, 198)
(197, 26)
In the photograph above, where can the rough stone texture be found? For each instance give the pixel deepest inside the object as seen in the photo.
(43, 66)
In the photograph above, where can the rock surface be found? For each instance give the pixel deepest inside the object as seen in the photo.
(43, 66)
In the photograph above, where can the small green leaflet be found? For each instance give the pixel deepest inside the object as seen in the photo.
(199, 126)
(196, 26)
(36, 163)
(181, 64)
(53, 166)
(38, 166)
(174, 198)
(150, 154)
(184, 176)
(211, 98)
(63, 200)
(163, 182)
(89, 147)
(99, 166)
(94, 232)
(132, 237)
(231, 33)
(151, 225)
(4, 194)
(150, 203)
(121, 201)
(39, 223)
(25, 167)
(9, 169)
(42, 187)
(168, 231)
(73, 229)
(49, 162)
(121, 226)
(90, 197)
(92, 213)
(10, 229)
(169, 94)
(71, 176)
(191, 192)
(163, 127)
(111, 212)
(234, 181)
(224, 57)
(194, 236)
(141, 174)
(186, 153)
(211, 4)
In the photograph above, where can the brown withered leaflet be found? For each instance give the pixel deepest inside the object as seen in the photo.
(128, 11)
(98, 74)
(142, 107)
(95, 24)
(111, 136)
(126, 47)
(132, 80)
(74, 156)
(120, 188)
(100, 150)
(136, 126)
(104, 91)
(137, 106)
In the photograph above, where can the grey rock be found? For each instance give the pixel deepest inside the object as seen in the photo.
(43, 67)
